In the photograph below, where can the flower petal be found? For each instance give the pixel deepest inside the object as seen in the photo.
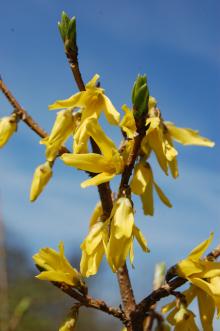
(162, 196)
(98, 179)
(187, 136)
(140, 238)
(89, 162)
(76, 100)
(111, 113)
(198, 251)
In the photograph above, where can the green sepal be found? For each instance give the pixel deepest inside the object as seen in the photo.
(64, 25)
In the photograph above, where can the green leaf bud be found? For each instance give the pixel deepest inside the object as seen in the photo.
(140, 95)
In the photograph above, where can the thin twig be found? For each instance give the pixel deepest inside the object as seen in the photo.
(88, 301)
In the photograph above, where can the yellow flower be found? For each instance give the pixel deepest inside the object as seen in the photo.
(160, 136)
(143, 183)
(93, 247)
(41, 177)
(202, 273)
(63, 127)
(128, 122)
(183, 319)
(56, 267)
(122, 232)
(8, 126)
(107, 165)
(93, 101)
(205, 304)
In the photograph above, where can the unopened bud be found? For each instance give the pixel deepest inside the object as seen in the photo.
(140, 96)
(67, 28)
(8, 126)
(41, 177)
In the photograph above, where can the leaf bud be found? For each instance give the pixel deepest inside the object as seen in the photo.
(140, 96)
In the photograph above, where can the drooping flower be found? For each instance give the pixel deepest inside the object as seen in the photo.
(64, 126)
(56, 267)
(106, 166)
(160, 136)
(143, 183)
(92, 246)
(41, 177)
(206, 306)
(8, 126)
(128, 122)
(202, 273)
(93, 101)
(122, 233)
(183, 319)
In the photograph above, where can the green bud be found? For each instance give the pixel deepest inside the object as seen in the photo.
(67, 28)
(140, 95)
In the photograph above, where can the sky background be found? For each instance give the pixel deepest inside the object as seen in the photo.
(176, 43)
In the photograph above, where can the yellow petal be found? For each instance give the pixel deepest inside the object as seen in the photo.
(155, 141)
(93, 82)
(188, 267)
(206, 309)
(198, 251)
(96, 215)
(187, 136)
(75, 101)
(111, 113)
(105, 144)
(148, 200)
(98, 179)
(89, 162)
(128, 122)
(123, 218)
(142, 176)
(140, 238)
(41, 177)
(162, 196)
(189, 295)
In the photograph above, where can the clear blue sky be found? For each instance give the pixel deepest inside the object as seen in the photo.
(176, 43)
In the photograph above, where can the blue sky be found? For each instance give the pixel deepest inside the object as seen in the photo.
(176, 43)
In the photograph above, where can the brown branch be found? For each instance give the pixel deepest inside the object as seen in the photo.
(168, 288)
(88, 301)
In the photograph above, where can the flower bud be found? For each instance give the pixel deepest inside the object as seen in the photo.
(140, 96)
(41, 177)
(70, 322)
(8, 126)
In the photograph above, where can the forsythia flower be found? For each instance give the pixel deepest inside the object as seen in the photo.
(93, 247)
(93, 101)
(205, 304)
(143, 183)
(41, 177)
(56, 267)
(122, 232)
(107, 166)
(8, 126)
(128, 122)
(202, 273)
(160, 136)
(63, 127)
(183, 319)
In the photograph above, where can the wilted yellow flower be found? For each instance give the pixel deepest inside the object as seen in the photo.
(8, 126)
(143, 183)
(202, 273)
(107, 165)
(93, 101)
(56, 267)
(128, 122)
(160, 136)
(63, 127)
(122, 232)
(41, 177)
(93, 247)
